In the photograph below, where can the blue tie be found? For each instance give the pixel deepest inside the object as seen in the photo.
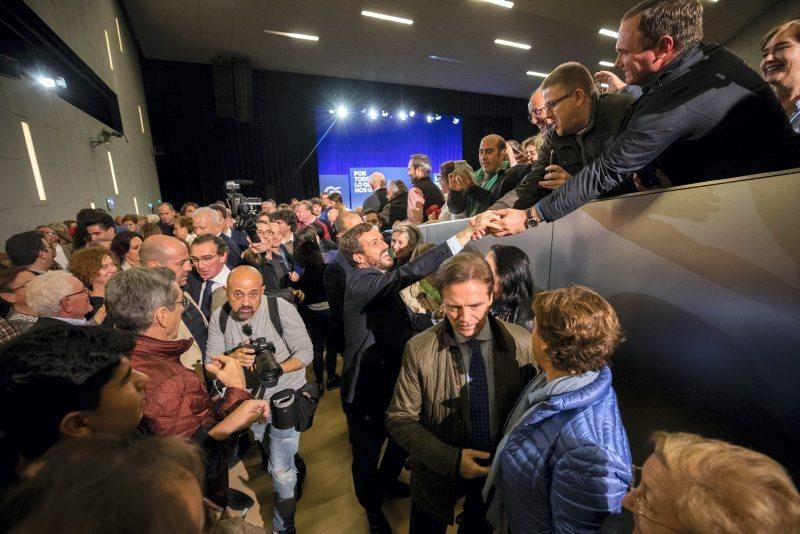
(479, 399)
(205, 299)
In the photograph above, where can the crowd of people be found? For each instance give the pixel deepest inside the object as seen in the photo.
(150, 354)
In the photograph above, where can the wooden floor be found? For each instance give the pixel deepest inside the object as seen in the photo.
(329, 505)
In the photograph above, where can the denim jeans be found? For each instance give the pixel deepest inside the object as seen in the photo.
(283, 445)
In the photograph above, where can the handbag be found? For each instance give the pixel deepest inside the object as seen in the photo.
(306, 401)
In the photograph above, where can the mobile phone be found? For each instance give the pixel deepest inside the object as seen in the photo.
(461, 165)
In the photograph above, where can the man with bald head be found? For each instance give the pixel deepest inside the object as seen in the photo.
(471, 194)
(170, 252)
(537, 113)
(209, 221)
(249, 314)
(377, 200)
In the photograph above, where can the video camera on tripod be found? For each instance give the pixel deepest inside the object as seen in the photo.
(245, 209)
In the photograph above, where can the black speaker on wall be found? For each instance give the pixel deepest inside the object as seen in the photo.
(233, 88)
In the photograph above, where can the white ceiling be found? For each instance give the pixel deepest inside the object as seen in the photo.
(353, 46)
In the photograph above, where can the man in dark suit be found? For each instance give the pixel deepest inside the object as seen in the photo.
(57, 297)
(377, 327)
(377, 200)
(206, 283)
(167, 215)
(209, 221)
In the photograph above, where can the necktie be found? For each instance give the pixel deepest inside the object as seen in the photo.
(205, 299)
(479, 399)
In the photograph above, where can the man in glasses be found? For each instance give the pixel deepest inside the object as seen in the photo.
(248, 315)
(205, 284)
(210, 221)
(265, 256)
(14, 291)
(536, 111)
(583, 123)
(57, 297)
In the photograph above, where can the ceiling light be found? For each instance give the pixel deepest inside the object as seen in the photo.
(387, 17)
(512, 44)
(534, 73)
(446, 59)
(429, 118)
(608, 33)
(606, 64)
(437, 117)
(384, 113)
(402, 115)
(412, 113)
(372, 114)
(303, 36)
(456, 120)
(341, 112)
(501, 3)
(331, 111)
(108, 47)
(46, 82)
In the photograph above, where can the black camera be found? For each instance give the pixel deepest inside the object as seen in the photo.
(245, 209)
(266, 370)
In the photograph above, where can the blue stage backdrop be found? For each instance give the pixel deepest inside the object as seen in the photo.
(357, 144)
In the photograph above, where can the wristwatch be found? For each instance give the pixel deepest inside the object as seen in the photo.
(530, 218)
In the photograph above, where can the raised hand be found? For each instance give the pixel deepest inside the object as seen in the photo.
(615, 85)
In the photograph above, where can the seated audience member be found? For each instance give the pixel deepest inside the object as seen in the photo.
(531, 147)
(129, 486)
(305, 217)
(314, 309)
(424, 198)
(72, 382)
(780, 65)
(149, 229)
(377, 200)
(206, 283)
(513, 285)
(60, 254)
(694, 484)
(14, 290)
(30, 250)
(422, 297)
(125, 246)
(405, 237)
(471, 194)
(93, 266)
(58, 297)
(166, 214)
(208, 221)
(172, 253)
(131, 222)
(264, 255)
(149, 303)
(96, 227)
(187, 209)
(184, 229)
(287, 224)
(449, 433)
(377, 326)
(687, 126)
(556, 469)
(372, 217)
(7, 331)
(397, 205)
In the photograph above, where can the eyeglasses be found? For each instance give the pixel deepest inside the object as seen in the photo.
(640, 510)
(12, 289)
(550, 106)
(84, 290)
(537, 112)
(204, 259)
(183, 302)
(239, 295)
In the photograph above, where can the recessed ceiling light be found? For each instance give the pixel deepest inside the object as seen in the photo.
(606, 64)
(302, 36)
(608, 33)
(512, 44)
(501, 3)
(534, 73)
(390, 18)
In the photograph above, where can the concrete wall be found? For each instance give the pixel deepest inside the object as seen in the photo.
(73, 173)
(746, 43)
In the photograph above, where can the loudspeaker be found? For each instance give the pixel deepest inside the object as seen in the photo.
(243, 90)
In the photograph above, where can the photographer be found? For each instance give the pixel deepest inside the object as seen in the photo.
(249, 331)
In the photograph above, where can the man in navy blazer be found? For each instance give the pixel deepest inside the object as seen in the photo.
(208, 221)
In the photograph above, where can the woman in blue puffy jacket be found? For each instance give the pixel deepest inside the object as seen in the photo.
(564, 462)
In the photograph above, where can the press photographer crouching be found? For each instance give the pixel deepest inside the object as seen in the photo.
(261, 331)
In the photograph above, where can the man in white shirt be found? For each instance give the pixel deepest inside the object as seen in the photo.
(206, 284)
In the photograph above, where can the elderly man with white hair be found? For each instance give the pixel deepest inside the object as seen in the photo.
(208, 221)
(377, 200)
(58, 297)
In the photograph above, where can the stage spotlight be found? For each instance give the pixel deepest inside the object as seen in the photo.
(372, 114)
(384, 113)
(331, 111)
(341, 112)
(363, 111)
(437, 117)
(402, 115)
(456, 120)
(412, 113)
(429, 118)
(46, 82)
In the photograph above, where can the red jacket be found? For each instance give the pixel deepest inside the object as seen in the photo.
(177, 402)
